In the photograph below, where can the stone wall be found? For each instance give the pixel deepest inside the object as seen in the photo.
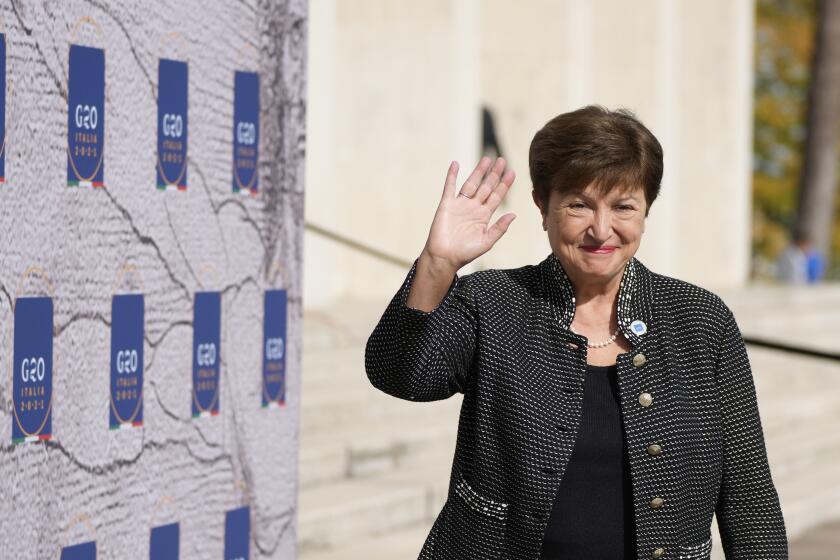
(414, 75)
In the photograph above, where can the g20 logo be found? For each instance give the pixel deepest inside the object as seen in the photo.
(33, 369)
(246, 133)
(274, 348)
(173, 125)
(87, 117)
(127, 361)
(206, 354)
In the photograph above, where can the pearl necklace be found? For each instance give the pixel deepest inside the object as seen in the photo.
(607, 342)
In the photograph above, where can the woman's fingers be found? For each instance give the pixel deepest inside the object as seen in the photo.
(497, 230)
(451, 178)
(470, 186)
(498, 194)
(460, 230)
(490, 180)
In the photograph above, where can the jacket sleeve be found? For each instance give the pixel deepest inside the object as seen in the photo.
(424, 356)
(748, 513)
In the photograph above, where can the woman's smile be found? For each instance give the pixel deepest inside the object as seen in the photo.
(599, 249)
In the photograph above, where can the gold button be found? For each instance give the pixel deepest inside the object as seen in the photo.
(639, 360)
(654, 449)
(645, 399)
(658, 552)
(657, 503)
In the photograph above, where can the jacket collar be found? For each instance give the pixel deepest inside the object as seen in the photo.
(634, 298)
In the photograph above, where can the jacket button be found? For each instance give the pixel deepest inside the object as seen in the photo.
(658, 552)
(645, 399)
(639, 360)
(654, 449)
(656, 503)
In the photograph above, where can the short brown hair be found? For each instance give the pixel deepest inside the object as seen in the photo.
(594, 144)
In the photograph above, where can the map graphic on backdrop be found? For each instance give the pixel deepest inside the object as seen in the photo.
(173, 86)
(86, 117)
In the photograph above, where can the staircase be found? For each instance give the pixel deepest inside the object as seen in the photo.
(373, 469)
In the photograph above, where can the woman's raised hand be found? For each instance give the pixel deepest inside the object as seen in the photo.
(461, 230)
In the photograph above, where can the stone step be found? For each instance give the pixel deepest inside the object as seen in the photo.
(378, 449)
(808, 501)
(372, 518)
(335, 374)
(349, 326)
(795, 447)
(820, 543)
(403, 544)
(348, 511)
(368, 406)
(339, 367)
(326, 458)
(343, 370)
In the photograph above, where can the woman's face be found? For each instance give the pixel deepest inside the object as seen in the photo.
(594, 235)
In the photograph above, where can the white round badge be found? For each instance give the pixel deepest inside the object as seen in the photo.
(638, 327)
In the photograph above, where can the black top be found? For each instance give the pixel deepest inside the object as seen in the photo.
(592, 516)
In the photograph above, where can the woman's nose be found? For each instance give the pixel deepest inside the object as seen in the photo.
(601, 227)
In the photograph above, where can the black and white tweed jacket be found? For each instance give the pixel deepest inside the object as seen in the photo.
(502, 338)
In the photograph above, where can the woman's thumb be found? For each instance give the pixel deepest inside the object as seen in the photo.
(498, 229)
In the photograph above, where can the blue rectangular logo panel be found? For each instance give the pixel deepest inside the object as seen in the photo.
(237, 534)
(86, 117)
(164, 543)
(246, 132)
(274, 348)
(84, 551)
(172, 124)
(207, 317)
(126, 361)
(3, 106)
(33, 366)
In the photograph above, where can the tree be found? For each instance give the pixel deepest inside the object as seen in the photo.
(818, 182)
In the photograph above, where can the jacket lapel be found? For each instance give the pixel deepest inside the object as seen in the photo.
(634, 297)
(653, 377)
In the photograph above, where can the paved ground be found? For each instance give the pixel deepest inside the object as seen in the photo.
(820, 543)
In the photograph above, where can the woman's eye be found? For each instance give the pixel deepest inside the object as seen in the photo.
(625, 208)
(576, 205)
